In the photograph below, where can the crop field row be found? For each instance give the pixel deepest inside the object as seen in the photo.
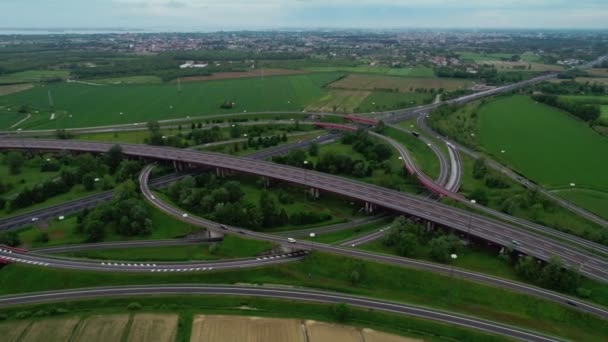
(598, 72)
(82, 105)
(364, 69)
(398, 84)
(237, 329)
(143, 327)
(340, 101)
(545, 144)
(599, 80)
(526, 66)
(32, 76)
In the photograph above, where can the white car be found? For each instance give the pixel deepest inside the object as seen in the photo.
(184, 215)
(61, 218)
(291, 240)
(34, 219)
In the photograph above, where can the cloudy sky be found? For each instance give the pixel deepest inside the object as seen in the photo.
(259, 14)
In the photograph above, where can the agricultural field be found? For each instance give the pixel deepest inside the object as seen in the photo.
(101, 328)
(14, 88)
(153, 328)
(82, 105)
(482, 57)
(598, 72)
(522, 66)
(398, 84)
(237, 329)
(365, 69)
(600, 80)
(127, 80)
(381, 101)
(50, 330)
(547, 145)
(260, 73)
(604, 116)
(594, 201)
(33, 76)
(340, 101)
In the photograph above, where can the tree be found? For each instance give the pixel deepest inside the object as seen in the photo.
(88, 181)
(113, 157)
(479, 168)
(440, 249)
(354, 277)
(127, 169)
(341, 312)
(558, 277)
(43, 237)
(313, 149)
(15, 161)
(10, 239)
(528, 268)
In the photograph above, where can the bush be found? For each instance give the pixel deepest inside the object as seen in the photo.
(341, 312)
(59, 311)
(3, 317)
(42, 237)
(40, 313)
(583, 292)
(134, 306)
(213, 248)
(23, 314)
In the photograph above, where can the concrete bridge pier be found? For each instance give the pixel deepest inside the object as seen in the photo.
(314, 193)
(212, 234)
(369, 207)
(178, 166)
(430, 225)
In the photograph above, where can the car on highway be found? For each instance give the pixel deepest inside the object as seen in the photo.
(223, 226)
(184, 215)
(291, 240)
(34, 219)
(61, 218)
(516, 243)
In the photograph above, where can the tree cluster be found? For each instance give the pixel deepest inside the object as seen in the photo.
(586, 112)
(127, 214)
(405, 235)
(552, 275)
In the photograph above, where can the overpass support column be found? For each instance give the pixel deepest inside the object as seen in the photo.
(177, 166)
(212, 234)
(369, 207)
(430, 225)
(314, 193)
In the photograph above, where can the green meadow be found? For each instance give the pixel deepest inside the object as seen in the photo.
(549, 146)
(83, 105)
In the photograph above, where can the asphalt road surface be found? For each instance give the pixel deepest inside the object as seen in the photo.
(491, 230)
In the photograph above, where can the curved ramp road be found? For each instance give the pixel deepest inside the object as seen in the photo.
(528, 184)
(125, 266)
(491, 230)
(354, 253)
(121, 244)
(281, 293)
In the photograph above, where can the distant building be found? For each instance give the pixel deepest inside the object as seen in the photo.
(192, 64)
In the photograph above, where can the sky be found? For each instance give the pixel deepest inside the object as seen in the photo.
(194, 15)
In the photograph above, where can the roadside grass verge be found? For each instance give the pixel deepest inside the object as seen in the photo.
(230, 247)
(422, 154)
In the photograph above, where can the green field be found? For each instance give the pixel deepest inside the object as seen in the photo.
(545, 144)
(81, 105)
(381, 101)
(594, 201)
(128, 80)
(32, 76)
(604, 116)
(479, 57)
(410, 72)
(332, 273)
(421, 154)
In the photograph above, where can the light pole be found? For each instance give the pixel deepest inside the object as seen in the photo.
(473, 202)
(305, 176)
(454, 257)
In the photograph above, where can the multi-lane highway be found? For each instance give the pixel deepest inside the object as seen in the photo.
(354, 253)
(491, 230)
(281, 293)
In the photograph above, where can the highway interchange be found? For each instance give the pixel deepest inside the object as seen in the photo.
(491, 230)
